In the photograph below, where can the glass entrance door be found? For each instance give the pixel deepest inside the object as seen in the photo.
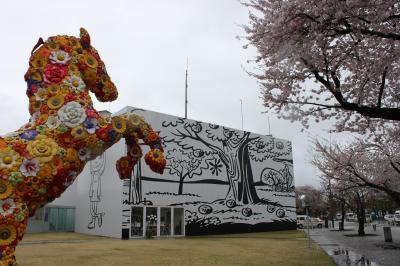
(61, 219)
(137, 222)
(155, 221)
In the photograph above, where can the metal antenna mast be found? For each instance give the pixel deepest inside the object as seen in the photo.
(186, 85)
(241, 111)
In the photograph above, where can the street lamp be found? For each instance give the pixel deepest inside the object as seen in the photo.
(303, 203)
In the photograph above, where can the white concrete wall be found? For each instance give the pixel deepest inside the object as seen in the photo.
(110, 204)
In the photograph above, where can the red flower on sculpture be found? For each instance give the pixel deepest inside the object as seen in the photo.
(54, 73)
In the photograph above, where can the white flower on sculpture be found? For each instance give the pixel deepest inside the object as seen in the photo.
(41, 94)
(34, 117)
(29, 167)
(7, 206)
(72, 114)
(53, 122)
(75, 83)
(59, 57)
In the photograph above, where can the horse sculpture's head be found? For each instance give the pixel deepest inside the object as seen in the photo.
(69, 64)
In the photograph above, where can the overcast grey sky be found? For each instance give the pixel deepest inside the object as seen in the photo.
(144, 45)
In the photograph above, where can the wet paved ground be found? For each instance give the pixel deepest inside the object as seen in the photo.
(369, 250)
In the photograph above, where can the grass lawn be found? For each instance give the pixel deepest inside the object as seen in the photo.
(271, 248)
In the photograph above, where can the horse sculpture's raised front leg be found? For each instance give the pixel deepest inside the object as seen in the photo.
(134, 128)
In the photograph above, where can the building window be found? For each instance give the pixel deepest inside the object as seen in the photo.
(165, 222)
(137, 221)
(178, 221)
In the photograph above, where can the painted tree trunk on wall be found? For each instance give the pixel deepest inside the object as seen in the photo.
(180, 188)
(246, 191)
(240, 175)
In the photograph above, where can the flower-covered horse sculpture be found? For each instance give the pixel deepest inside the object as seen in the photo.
(40, 160)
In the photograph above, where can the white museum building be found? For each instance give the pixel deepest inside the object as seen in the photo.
(218, 180)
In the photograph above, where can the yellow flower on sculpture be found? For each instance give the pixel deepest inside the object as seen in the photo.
(79, 132)
(42, 148)
(8, 234)
(36, 76)
(9, 159)
(53, 88)
(45, 172)
(91, 61)
(38, 62)
(119, 124)
(72, 155)
(55, 102)
(6, 189)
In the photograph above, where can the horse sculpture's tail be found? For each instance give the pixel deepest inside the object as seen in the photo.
(134, 128)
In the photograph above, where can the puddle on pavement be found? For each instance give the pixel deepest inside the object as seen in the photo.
(351, 258)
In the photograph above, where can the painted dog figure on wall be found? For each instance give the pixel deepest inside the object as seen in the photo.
(40, 160)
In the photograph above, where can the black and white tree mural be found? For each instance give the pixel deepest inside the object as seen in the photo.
(233, 148)
(278, 180)
(185, 164)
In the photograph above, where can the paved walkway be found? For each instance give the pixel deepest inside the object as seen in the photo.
(361, 251)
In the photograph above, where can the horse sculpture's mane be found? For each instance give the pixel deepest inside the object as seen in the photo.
(41, 159)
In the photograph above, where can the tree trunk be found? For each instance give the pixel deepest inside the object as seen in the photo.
(247, 193)
(343, 216)
(360, 215)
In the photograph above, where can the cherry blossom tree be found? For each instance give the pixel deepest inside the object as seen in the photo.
(349, 196)
(374, 164)
(350, 48)
(314, 199)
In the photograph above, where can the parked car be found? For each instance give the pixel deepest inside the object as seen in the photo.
(389, 218)
(302, 221)
(338, 216)
(316, 222)
(313, 222)
(351, 217)
(397, 217)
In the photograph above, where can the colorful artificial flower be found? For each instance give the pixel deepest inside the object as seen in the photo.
(53, 88)
(72, 114)
(43, 148)
(91, 61)
(124, 167)
(55, 102)
(119, 124)
(136, 121)
(90, 125)
(155, 159)
(7, 207)
(55, 73)
(9, 159)
(8, 234)
(84, 154)
(29, 134)
(6, 189)
(78, 132)
(75, 83)
(15, 177)
(59, 57)
(29, 167)
(41, 94)
(52, 122)
(38, 62)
